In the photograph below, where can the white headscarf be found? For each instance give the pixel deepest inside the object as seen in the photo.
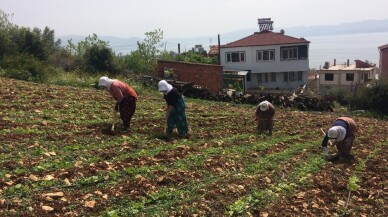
(264, 105)
(337, 132)
(106, 82)
(164, 86)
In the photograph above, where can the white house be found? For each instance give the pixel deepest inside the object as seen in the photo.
(345, 75)
(273, 60)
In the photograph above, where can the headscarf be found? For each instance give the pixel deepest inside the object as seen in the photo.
(164, 86)
(337, 132)
(264, 105)
(105, 82)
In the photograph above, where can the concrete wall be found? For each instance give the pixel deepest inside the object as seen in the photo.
(209, 76)
(278, 66)
(339, 80)
(280, 83)
(340, 77)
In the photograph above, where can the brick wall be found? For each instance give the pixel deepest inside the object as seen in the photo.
(384, 64)
(209, 76)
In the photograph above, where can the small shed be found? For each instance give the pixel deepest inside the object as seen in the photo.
(235, 79)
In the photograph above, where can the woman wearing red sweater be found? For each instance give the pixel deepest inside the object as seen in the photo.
(125, 98)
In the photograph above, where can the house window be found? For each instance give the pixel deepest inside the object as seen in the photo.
(302, 52)
(291, 76)
(289, 53)
(300, 74)
(235, 56)
(266, 77)
(265, 55)
(259, 55)
(259, 78)
(349, 76)
(329, 77)
(285, 76)
(273, 77)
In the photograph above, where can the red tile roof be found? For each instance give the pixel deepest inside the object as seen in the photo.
(362, 64)
(265, 38)
(213, 50)
(383, 47)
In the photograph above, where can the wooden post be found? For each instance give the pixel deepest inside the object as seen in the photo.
(219, 52)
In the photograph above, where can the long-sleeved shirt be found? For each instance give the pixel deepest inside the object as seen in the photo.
(345, 122)
(265, 115)
(172, 97)
(119, 90)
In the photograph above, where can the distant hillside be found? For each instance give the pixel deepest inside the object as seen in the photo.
(125, 45)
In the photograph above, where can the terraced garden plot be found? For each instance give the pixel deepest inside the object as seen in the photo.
(58, 158)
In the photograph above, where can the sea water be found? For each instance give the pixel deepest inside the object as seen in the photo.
(343, 47)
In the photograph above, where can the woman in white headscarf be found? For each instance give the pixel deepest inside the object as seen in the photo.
(264, 115)
(125, 98)
(343, 131)
(175, 110)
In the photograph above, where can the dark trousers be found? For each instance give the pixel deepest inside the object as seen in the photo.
(127, 109)
(178, 118)
(345, 146)
(265, 124)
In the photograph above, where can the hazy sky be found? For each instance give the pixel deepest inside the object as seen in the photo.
(184, 18)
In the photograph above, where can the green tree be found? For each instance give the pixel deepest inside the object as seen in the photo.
(143, 59)
(99, 59)
(80, 49)
(6, 45)
(4, 21)
(48, 39)
(30, 42)
(24, 52)
(93, 55)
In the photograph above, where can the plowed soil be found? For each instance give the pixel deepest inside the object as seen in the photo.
(59, 158)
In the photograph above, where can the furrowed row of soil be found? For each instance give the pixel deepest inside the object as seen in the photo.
(217, 185)
(329, 190)
(159, 158)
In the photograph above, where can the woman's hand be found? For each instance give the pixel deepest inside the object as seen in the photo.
(168, 110)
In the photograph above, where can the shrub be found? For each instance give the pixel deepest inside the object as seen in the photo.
(340, 95)
(374, 98)
(25, 67)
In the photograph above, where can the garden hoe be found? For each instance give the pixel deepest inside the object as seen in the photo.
(325, 148)
(114, 121)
